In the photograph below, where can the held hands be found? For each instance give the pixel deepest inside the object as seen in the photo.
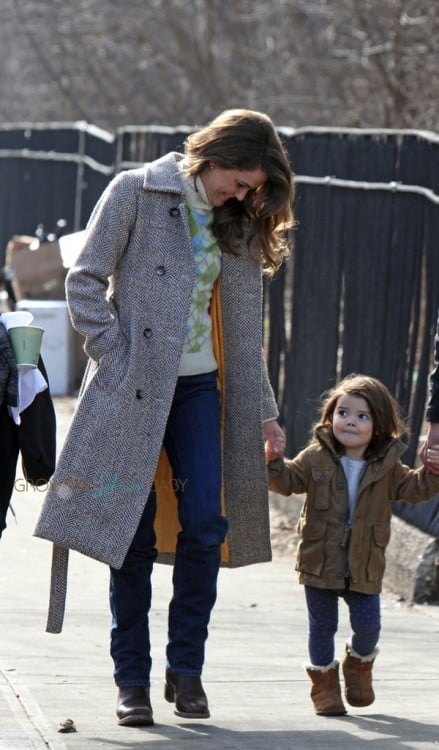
(275, 441)
(429, 453)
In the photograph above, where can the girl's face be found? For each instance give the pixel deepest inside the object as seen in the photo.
(222, 184)
(352, 425)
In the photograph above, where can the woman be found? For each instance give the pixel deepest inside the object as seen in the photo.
(176, 401)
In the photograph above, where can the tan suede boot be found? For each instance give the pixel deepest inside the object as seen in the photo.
(325, 690)
(357, 672)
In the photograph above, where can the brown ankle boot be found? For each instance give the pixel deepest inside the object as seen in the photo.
(325, 690)
(186, 691)
(357, 672)
(134, 707)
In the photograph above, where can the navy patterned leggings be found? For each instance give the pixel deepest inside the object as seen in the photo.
(364, 615)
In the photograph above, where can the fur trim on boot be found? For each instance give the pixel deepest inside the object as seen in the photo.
(357, 673)
(325, 689)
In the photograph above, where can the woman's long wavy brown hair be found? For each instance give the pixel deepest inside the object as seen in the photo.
(246, 140)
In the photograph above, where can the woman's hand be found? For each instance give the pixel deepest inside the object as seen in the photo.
(275, 440)
(429, 453)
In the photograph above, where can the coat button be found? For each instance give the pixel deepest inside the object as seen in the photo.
(139, 393)
(147, 333)
(160, 270)
(174, 212)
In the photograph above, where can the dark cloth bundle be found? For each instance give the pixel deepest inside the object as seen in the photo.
(8, 370)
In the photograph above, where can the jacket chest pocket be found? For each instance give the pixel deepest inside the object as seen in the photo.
(322, 479)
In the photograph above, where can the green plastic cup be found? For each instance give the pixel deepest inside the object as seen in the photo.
(26, 344)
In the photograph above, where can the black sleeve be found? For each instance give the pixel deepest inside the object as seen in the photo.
(8, 461)
(432, 414)
(37, 436)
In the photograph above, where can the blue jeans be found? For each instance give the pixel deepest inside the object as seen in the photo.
(192, 442)
(364, 615)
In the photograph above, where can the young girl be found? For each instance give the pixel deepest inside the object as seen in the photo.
(350, 471)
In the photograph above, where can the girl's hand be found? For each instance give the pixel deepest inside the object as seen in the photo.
(275, 440)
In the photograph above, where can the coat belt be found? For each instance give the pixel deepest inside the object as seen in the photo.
(58, 589)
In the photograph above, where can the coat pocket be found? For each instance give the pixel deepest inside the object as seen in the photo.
(379, 539)
(112, 368)
(310, 551)
(321, 476)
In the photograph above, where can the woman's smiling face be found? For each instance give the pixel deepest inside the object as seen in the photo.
(223, 184)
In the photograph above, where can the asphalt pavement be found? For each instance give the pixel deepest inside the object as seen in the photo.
(254, 675)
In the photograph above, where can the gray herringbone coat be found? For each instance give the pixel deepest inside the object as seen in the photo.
(134, 327)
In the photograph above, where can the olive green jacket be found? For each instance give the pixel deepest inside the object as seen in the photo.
(329, 545)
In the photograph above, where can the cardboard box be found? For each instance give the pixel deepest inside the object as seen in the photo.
(38, 270)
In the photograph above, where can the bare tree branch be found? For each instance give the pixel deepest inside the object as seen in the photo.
(357, 63)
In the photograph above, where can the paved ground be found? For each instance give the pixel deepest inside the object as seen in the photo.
(258, 691)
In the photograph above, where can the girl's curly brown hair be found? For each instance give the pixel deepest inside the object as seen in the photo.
(387, 419)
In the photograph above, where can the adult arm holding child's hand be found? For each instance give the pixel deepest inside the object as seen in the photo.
(429, 452)
(431, 444)
(275, 440)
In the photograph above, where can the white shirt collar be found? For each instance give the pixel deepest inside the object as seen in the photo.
(194, 191)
